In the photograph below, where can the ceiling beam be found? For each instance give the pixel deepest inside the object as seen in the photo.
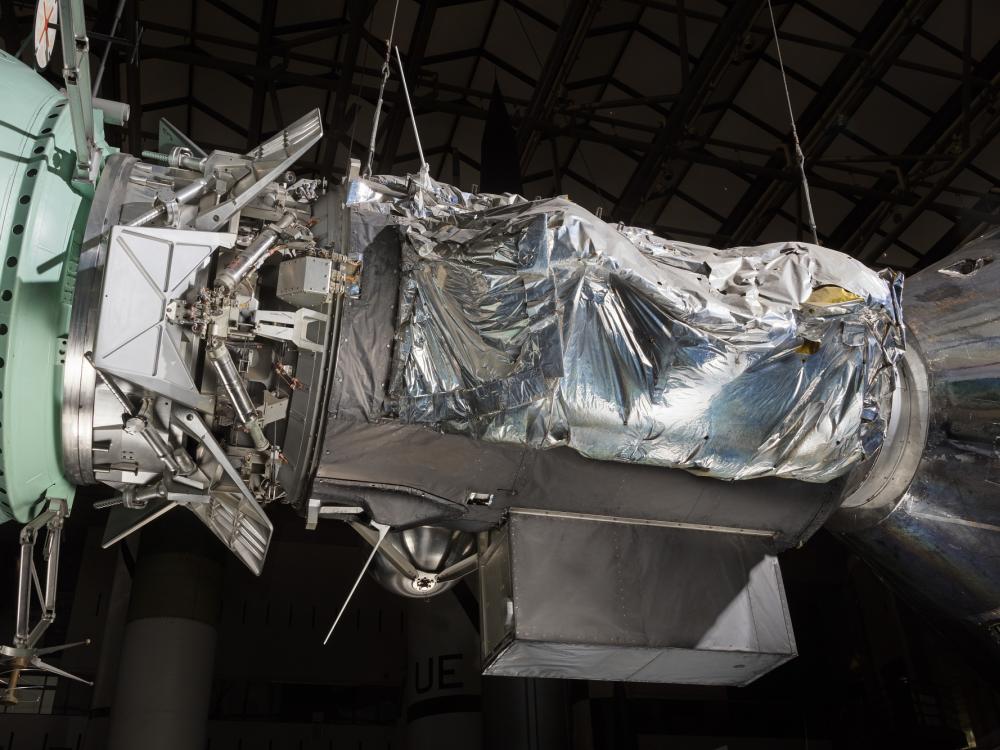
(358, 12)
(259, 73)
(971, 152)
(604, 82)
(678, 8)
(268, 15)
(889, 30)
(701, 129)
(507, 66)
(474, 68)
(218, 117)
(965, 229)
(937, 136)
(284, 77)
(715, 59)
(235, 14)
(320, 35)
(527, 10)
(563, 53)
(334, 25)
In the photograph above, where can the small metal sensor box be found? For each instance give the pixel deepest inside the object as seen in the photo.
(304, 282)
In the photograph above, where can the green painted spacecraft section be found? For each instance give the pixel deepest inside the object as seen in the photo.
(42, 216)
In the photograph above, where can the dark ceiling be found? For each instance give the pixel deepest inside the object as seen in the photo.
(668, 114)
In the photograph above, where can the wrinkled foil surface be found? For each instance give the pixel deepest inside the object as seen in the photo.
(538, 324)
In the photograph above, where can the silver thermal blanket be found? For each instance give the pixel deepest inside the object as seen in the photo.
(535, 323)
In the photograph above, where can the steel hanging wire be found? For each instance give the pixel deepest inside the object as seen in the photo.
(424, 167)
(800, 158)
(386, 64)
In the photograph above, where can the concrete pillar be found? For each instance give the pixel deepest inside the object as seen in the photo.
(168, 650)
(111, 636)
(442, 697)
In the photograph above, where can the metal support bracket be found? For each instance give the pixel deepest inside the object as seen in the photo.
(275, 155)
(281, 325)
(24, 654)
(237, 519)
(315, 510)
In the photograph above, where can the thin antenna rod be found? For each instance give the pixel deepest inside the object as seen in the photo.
(383, 530)
(413, 119)
(800, 157)
(381, 92)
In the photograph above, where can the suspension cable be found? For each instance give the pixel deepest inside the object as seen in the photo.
(381, 91)
(800, 157)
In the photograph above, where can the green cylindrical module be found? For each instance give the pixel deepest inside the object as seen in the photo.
(42, 216)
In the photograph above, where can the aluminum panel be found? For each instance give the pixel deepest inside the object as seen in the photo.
(146, 268)
(618, 599)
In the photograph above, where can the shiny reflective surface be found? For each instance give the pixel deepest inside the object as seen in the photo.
(426, 551)
(942, 539)
(538, 324)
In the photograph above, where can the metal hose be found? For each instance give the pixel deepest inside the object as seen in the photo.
(186, 194)
(229, 378)
(253, 255)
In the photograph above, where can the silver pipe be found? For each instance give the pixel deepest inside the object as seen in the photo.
(186, 194)
(391, 552)
(253, 254)
(22, 631)
(174, 159)
(458, 570)
(52, 542)
(150, 215)
(133, 497)
(229, 377)
(138, 425)
(409, 105)
(115, 113)
(117, 392)
(382, 531)
(194, 163)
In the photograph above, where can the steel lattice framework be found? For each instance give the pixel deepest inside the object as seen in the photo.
(662, 113)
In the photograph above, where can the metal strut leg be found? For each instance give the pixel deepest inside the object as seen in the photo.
(24, 654)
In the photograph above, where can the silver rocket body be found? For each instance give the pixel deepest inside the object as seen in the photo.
(927, 514)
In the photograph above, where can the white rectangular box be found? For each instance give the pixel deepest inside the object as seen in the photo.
(596, 598)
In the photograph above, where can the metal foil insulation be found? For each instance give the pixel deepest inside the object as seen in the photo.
(537, 324)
